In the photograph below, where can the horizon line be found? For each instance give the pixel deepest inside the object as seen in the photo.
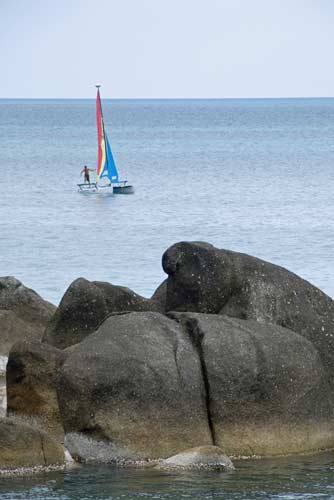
(163, 98)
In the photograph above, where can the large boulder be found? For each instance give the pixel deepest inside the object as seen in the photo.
(268, 391)
(135, 389)
(24, 446)
(3, 397)
(202, 278)
(23, 313)
(146, 386)
(31, 385)
(14, 329)
(160, 295)
(85, 305)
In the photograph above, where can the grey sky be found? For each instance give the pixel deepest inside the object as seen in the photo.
(167, 48)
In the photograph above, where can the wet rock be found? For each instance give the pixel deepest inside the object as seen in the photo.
(202, 457)
(24, 446)
(202, 278)
(85, 305)
(23, 313)
(31, 385)
(135, 387)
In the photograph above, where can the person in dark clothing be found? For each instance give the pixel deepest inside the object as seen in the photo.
(85, 171)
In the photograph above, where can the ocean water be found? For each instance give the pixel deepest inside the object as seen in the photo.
(292, 478)
(255, 176)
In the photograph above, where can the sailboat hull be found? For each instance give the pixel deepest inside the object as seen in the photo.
(106, 169)
(94, 189)
(127, 189)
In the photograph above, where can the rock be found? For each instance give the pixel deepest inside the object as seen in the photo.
(160, 295)
(268, 392)
(144, 386)
(26, 303)
(3, 365)
(24, 446)
(85, 305)
(23, 313)
(13, 329)
(202, 278)
(202, 457)
(135, 388)
(3, 396)
(31, 385)
(198, 278)
(86, 449)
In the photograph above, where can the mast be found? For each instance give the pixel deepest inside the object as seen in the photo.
(105, 164)
(102, 155)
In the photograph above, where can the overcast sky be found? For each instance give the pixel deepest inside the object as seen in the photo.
(167, 48)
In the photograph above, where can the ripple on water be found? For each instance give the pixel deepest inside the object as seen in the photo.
(295, 478)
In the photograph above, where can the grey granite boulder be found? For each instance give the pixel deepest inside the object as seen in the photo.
(85, 305)
(200, 458)
(31, 385)
(136, 385)
(23, 313)
(202, 278)
(22, 446)
(268, 391)
(160, 295)
(3, 396)
(144, 386)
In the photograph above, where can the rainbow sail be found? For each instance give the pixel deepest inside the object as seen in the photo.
(105, 162)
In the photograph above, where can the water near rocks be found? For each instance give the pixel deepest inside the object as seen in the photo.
(254, 176)
(302, 478)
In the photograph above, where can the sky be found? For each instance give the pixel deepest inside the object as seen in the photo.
(166, 48)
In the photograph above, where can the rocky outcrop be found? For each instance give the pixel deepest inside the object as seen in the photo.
(268, 391)
(85, 305)
(135, 384)
(24, 446)
(31, 385)
(145, 386)
(3, 397)
(23, 314)
(242, 359)
(160, 295)
(14, 329)
(200, 458)
(202, 278)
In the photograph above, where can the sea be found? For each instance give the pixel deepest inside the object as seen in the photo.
(251, 175)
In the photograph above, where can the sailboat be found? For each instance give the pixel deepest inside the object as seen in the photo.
(107, 179)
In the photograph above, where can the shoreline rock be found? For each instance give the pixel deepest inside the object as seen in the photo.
(22, 446)
(205, 279)
(31, 385)
(199, 458)
(85, 305)
(23, 313)
(230, 351)
(135, 382)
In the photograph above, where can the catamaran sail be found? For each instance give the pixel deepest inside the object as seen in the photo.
(106, 167)
(105, 161)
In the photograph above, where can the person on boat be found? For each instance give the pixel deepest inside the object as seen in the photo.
(86, 171)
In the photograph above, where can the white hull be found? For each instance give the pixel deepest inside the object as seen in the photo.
(94, 189)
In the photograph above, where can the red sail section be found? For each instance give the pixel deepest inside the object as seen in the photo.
(101, 158)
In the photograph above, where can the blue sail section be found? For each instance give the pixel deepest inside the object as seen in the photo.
(110, 169)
